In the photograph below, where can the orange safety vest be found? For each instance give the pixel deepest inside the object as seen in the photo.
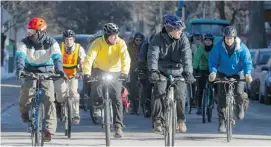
(70, 61)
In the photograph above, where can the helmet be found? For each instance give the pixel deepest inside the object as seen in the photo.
(68, 33)
(208, 36)
(37, 24)
(229, 31)
(173, 21)
(110, 28)
(139, 35)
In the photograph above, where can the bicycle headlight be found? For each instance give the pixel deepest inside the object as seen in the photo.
(108, 77)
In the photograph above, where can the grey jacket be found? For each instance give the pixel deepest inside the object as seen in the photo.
(170, 56)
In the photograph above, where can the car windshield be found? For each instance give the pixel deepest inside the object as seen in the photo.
(264, 57)
(82, 40)
(215, 29)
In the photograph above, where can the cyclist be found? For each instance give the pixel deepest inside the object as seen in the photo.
(73, 57)
(200, 63)
(147, 85)
(38, 53)
(108, 54)
(133, 48)
(169, 53)
(196, 42)
(230, 58)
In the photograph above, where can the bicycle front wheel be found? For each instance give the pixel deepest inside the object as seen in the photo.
(41, 125)
(204, 105)
(68, 117)
(107, 119)
(229, 110)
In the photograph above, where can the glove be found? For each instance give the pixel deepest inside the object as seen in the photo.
(123, 76)
(19, 73)
(61, 72)
(248, 78)
(87, 77)
(154, 76)
(212, 76)
(189, 78)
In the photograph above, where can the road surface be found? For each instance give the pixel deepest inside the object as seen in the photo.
(254, 130)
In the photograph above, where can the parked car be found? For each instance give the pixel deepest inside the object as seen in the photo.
(265, 84)
(261, 58)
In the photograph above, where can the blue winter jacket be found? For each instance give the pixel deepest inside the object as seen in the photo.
(239, 62)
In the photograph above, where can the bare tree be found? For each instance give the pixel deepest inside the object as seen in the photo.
(256, 36)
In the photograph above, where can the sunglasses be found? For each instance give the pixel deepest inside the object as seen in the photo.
(31, 32)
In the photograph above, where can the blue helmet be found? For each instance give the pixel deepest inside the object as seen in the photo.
(173, 21)
(208, 36)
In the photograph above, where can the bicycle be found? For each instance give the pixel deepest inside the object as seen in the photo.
(230, 102)
(37, 111)
(106, 107)
(170, 112)
(207, 102)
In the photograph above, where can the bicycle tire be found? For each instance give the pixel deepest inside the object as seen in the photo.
(32, 122)
(229, 122)
(210, 105)
(204, 105)
(69, 117)
(107, 118)
(174, 120)
(41, 126)
(170, 122)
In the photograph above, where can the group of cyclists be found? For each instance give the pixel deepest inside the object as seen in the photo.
(163, 53)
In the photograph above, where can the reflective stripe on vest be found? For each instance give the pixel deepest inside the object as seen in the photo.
(70, 61)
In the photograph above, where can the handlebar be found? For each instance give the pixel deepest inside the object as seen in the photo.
(40, 76)
(228, 80)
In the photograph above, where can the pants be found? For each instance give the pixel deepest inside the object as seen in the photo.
(160, 93)
(133, 90)
(146, 93)
(114, 90)
(27, 93)
(201, 85)
(61, 93)
(221, 95)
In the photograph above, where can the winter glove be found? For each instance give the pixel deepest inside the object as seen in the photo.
(87, 77)
(123, 76)
(212, 76)
(61, 72)
(189, 78)
(249, 78)
(154, 76)
(19, 73)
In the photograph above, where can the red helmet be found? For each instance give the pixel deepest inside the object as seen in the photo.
(37, 23)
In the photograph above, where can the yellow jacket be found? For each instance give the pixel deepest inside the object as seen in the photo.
(111, 58)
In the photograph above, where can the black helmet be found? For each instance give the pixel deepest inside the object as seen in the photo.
(229, 31)
(68, 33)
(111, 28)
(139, 35)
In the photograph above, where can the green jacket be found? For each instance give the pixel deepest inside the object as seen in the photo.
(200, 60)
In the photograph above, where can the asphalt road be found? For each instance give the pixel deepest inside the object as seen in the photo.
(254, 130)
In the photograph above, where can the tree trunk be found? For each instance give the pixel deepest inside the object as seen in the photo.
(221, 8)
(256, 35)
